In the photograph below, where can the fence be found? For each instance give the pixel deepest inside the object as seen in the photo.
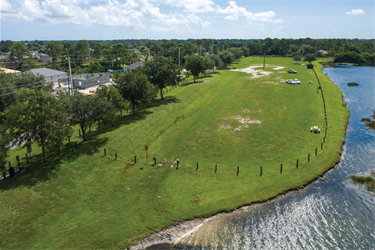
(178, 163)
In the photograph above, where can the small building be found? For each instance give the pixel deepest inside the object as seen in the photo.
(49, 74)
(133, 66)
(85, 81)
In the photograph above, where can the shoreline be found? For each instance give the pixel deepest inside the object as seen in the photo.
(156, 240)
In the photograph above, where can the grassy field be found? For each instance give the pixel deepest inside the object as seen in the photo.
(83, 199)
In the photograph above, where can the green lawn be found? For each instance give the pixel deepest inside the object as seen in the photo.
(81, 199)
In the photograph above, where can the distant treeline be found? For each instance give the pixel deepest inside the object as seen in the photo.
(114, 53)
(355, 57)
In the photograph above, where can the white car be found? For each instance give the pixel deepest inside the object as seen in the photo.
(293, 81)
(296, 81)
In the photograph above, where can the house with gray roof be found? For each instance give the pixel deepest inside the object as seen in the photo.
(133, 66)
(49, 74)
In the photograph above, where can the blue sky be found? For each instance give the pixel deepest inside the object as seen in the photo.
(173, 19)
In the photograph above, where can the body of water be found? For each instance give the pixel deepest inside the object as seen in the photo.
(330, 214)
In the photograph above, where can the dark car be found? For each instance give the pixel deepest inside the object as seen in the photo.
(292, 71)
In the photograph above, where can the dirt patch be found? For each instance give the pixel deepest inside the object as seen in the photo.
(255, 73)
(241, 119)
(225, 127)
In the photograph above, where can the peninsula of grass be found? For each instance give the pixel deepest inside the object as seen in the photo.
(352, 84)
(368, 181)
(82, 199)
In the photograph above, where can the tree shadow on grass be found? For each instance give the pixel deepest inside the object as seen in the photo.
(209, 75)
(37, 171)
(119, 122)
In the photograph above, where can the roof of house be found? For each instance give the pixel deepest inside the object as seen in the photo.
(134, 65)
(46, 72)
(9, 70)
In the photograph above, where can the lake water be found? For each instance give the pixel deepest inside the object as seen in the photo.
(330, 214)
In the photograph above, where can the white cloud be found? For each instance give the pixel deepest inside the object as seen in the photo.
(186, 15)
(193, 6)
(6, 7)
(235, 12)
(355, 12)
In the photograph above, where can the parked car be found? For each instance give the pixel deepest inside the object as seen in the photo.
(296, 81)
(293, 81)
(297, 63)
(289, 81)
(292, 71)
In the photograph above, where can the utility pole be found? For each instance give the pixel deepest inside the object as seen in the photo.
(179, 57)
(264, 60)
(70, 77)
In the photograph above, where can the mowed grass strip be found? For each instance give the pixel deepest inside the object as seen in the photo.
(83, 199)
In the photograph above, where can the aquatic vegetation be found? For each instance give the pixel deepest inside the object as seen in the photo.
(370, 123)
(352, 84)
(368, 181)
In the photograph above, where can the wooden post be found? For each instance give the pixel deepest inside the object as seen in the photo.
(261, 172)
(115, 156)
(197, 167)
(321, 146)
(105, 152)
(27, 159)
(146, 148)
(308, 158)
(238, 170)
(178, 163)
(154, 161)
(135, 159)
(297, 164)
(281, 168)
(316, 151)
(215, 168)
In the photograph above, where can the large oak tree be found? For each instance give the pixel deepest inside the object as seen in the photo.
(40, 117)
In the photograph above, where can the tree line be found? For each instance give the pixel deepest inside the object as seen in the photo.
(96, 56)
(32, 113)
